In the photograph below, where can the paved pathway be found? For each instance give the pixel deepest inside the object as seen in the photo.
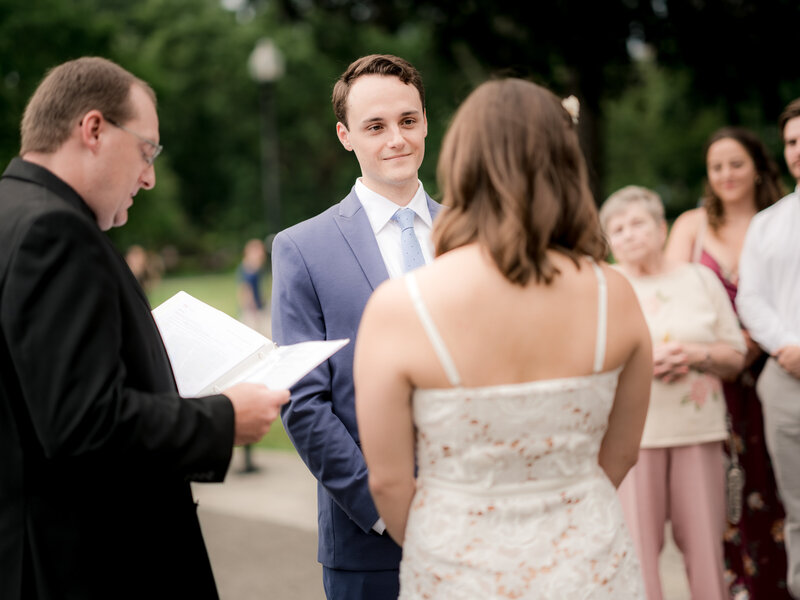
(261, 532)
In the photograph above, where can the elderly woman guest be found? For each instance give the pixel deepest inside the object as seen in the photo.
(742, 179)
(514, 371)
(696, 341)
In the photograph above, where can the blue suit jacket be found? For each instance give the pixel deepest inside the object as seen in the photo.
(324, 271)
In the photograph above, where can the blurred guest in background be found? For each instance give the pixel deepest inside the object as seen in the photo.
(145, 266)
(136, 257)
(769, 304)
(252, 311)
(250, 294)
(742, 179)
(696, 342)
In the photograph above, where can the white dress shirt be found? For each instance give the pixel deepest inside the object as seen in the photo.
(387, 232)
(380, 211)
(768, 299)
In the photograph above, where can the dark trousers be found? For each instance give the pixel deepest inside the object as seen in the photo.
(360, 585)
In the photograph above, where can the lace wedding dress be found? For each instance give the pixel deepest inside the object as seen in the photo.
(510, 501)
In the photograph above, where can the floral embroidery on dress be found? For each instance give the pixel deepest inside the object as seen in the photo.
(702, 389)
(510, 500)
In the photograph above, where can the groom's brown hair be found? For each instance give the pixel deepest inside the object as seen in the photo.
(374, 64)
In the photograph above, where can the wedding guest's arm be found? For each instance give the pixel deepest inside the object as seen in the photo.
(682, 236)
(718, 358)
(724, 357)
(681, 247)
(620, 447)
(755, 296)
(753, 349)
(670, 362)
(383, 407)
(788, 357)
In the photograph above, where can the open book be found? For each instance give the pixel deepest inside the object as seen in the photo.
(211, 351)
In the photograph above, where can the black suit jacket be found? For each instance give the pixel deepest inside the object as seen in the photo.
(96, 446)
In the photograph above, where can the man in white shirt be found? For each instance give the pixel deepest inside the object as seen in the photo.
(324, 270)
(769, 306)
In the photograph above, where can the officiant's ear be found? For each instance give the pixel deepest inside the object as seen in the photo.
(344, 136)
(90, 127)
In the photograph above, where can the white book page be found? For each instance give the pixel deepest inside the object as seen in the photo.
(211, 351)
(286, 365)
(203, 343)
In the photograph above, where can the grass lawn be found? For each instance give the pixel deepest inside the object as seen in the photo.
(218, 290)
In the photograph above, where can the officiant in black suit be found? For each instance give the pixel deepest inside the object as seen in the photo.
(96, 446)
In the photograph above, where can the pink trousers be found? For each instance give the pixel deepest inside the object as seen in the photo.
(685, 485)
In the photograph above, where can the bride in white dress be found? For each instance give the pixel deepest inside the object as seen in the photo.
(501, 391)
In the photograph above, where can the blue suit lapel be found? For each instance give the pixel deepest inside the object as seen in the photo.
(354, 225)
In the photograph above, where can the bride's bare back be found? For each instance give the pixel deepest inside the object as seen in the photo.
(499, 333)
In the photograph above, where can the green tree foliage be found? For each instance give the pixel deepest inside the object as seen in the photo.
(735, 51)
(194, 54)
(34, 36)
(657, 138)
(711, 64)
(644, 122)
(558, 44)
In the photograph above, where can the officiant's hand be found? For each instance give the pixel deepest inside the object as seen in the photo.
(255, 407)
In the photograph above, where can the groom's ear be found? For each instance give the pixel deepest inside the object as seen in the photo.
(344, 136)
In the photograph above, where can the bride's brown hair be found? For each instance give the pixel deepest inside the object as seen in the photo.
(514, 178)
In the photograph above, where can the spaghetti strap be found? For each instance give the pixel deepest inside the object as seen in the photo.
(602, 318)
(430, 329)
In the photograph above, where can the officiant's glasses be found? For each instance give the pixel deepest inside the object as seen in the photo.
(148, 157)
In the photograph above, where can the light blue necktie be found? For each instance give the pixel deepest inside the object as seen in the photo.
(412, 252)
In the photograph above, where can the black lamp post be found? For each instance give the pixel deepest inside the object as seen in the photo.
(266, 67)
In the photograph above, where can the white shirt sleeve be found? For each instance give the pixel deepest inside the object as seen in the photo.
(756, 294)
(379, 526)
(726, 326)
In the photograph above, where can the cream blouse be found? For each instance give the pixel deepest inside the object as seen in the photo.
(687, 304)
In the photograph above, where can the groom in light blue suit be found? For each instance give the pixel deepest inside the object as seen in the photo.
(324, 271)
